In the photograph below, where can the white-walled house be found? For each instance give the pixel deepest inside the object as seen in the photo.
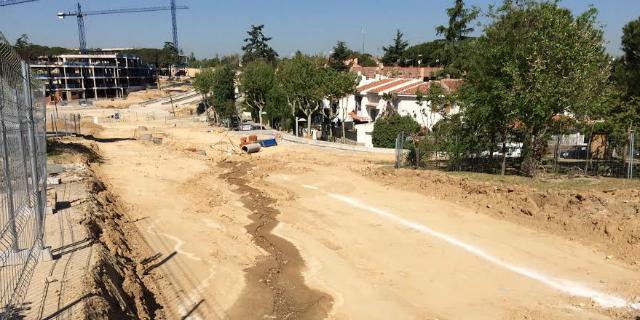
(368, 104)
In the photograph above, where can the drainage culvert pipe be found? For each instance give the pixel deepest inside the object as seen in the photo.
(251, 148)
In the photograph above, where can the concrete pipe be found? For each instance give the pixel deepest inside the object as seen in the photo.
(251, 148)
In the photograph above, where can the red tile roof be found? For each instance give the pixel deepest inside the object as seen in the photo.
(374, 84)
(390, 85)
(397, 72)
(409, 87)
(413, 90)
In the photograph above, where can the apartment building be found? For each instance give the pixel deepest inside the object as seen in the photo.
(91, 76)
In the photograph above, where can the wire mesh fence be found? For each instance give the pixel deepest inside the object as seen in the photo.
(572, 154)
(64, 124)
(23, 178)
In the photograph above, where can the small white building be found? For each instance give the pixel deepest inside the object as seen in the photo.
(368, 104)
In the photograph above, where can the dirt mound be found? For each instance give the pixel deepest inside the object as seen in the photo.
(607, 219)
(117, 287)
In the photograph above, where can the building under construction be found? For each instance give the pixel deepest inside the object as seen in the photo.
(103, 74)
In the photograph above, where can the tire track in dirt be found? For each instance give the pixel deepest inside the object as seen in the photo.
(275, 286)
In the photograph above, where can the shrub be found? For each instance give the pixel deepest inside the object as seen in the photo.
(386, 130)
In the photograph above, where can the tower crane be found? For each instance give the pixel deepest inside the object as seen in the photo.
(10, 2)
(79, 14)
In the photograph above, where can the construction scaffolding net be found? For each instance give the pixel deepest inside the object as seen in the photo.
(23, 178)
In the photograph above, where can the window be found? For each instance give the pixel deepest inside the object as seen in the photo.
(358, 102)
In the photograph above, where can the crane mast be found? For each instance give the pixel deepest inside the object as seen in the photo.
(174, 25)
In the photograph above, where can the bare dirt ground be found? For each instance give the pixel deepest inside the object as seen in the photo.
(297, 232)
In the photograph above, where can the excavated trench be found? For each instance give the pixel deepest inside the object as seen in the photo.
(116, 286)
(275, 285)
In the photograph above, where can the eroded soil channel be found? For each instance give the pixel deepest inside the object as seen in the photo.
(275, 285)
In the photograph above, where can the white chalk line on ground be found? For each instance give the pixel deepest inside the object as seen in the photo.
(566, 286)
(192, 297)
(179, 243)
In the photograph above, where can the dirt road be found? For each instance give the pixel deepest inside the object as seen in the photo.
(295, 232)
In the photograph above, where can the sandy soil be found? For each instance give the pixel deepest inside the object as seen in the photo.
(296, 232)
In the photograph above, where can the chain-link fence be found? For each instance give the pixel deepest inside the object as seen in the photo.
(23, 178)
(570, 154)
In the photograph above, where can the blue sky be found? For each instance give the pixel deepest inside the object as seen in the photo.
(211, 27)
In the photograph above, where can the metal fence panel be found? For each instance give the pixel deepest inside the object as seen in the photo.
(23, 178)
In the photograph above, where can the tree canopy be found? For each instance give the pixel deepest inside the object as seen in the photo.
(340, 54)
(256, 81)
(536, 60)
(394, 54)
(460, 18)
(29, 51)
(257, 46)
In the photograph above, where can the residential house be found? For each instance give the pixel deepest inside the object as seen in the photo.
(369, 103)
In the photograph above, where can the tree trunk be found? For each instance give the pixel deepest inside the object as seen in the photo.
(309, 125)
(529, 163)
(260, 116)
(295, 119)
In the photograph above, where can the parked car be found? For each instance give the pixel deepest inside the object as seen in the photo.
(514, 150)
(577, 152)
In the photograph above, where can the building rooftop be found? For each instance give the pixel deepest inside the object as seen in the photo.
(407, 86)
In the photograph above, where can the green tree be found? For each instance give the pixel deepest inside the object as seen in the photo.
(257, 46)
(169, 55)
(425, 54)
(23, 46)
(535, 61)
(631, 58)
(256, 81)
(625, 111)
(203, 84)
(192, 61)
(394, 54)
(385, 130)
(29, 51)
(340, 54)
(338, 85)
(457, 30)
(277, 110)
(302, 80)
(459, 20)
(223, 92)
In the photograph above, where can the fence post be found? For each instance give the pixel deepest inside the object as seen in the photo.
(66, 125)
(632, 141)
(7, 180)
(21, 128)
(33, 146)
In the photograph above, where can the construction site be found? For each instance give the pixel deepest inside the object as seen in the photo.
(125, 196)
(93, 76)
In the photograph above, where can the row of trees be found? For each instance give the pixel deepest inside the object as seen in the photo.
(280, 89)
(232, 59)
(451, 51)
(161, 58)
